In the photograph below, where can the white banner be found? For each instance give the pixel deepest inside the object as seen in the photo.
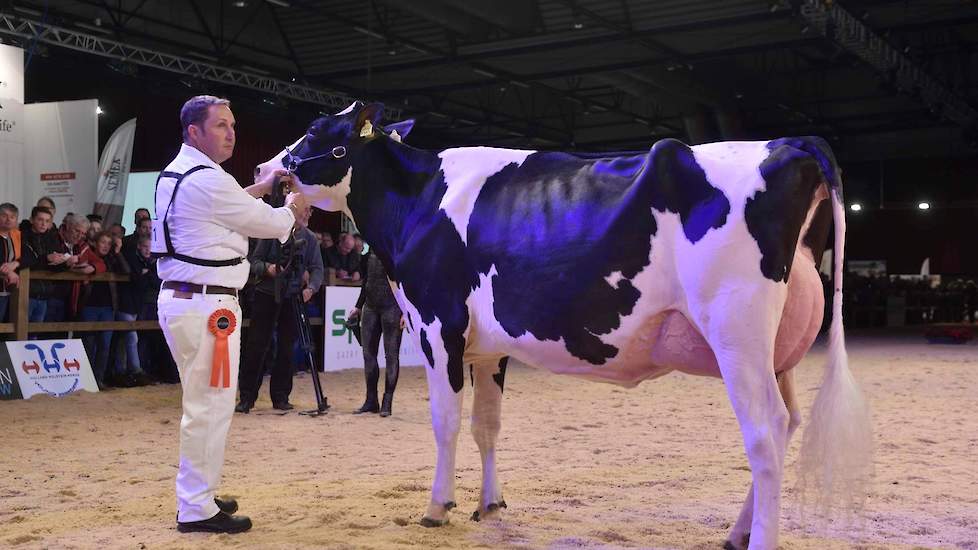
(342, 351)
(52, 367)
(113, 173)
(12, 125)
(60, 152)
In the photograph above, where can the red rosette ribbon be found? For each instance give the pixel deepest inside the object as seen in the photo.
(221, 324)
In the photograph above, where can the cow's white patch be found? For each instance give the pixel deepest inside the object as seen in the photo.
(331, 198)
(733, 166)
(466, 170)
(348, 109)
(614, 278)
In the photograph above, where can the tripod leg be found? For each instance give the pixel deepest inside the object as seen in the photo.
(305, 340)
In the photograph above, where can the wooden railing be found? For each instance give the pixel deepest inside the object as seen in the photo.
(19, 300)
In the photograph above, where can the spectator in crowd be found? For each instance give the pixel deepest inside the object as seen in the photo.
(39, 252)
(128, 368)
(343, 263)
(71, 245)
(144, 228)
(94, 228)
(46, 202)
(9, 255)
(117, 231)
(325, 242)
(273, 306)
(358, 244)
(379, 314)
(99, 300)
(154, 355)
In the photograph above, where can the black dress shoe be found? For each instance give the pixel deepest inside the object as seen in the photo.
(368, 407)
(220, 523)
(228, 505)
(282, 406)
(244, 407)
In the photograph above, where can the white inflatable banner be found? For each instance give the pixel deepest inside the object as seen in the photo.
(12, 125)
(113, 173)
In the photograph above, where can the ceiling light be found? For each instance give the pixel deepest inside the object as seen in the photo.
(855, 207)
(98, 110)
(239, 3)
(923, 205)
(279, 3)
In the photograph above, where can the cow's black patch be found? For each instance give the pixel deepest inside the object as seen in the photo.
(816, 238)
(681, 187)
(774, 216)
(556, 226)
(426, 348)
(500, 376)
(819, 149)
(395, 195)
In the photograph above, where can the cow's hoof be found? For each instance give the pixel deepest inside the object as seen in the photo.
(490, 510)
(744, 542)
(428, 522)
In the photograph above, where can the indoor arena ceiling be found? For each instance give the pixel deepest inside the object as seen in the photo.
(876, 78)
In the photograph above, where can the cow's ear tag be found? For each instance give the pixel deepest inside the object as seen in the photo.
(367, 129)
(395, 136)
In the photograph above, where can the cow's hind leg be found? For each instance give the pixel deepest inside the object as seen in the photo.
(740, 534)
(487, 378)
(446, 415)
(744, 348)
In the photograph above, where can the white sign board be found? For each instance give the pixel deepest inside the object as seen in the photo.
(341, 349)
(12, 125)
(52, 367)
(61, 154)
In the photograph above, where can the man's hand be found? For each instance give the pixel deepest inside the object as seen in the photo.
(12, 278)
(307, 294)
(57, 258)
(72, 261)
(342, 274)
(354, 312)
(356, 276)
(8, 268)
(264, 186)
(272, 270)
(298, 200)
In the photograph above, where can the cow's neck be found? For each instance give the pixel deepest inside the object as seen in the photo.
(390, 194)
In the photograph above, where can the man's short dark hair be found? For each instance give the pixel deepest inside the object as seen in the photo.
(40, 210)
(117, 224)
(194, 111)
(136, 217)
(9, 207)
(94, 218)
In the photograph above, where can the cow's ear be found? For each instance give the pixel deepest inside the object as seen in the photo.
(367, 118)
(400, 129)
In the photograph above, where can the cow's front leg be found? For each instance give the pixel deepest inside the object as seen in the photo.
(445, 394)
(488, 380)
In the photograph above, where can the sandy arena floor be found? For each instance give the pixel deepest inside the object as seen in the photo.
(583, 465)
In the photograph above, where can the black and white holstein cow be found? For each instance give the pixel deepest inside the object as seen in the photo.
(614, 267)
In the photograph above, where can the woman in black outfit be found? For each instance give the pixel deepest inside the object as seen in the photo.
(379, 314)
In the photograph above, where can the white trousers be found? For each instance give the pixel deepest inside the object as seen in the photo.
(207, 411)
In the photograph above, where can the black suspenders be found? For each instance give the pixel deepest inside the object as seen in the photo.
(170, 251)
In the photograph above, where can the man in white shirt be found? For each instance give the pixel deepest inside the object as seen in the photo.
(204, 219)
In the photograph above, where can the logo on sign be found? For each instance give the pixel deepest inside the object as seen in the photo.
(57, 379)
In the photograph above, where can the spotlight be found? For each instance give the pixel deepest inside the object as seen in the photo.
(923, 205)
(855, 207)
(239, 3)
(98, 110)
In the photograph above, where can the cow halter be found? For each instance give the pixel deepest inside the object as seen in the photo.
(294, 162)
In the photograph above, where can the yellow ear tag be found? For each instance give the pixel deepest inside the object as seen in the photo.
(367, 129)
(395, 136)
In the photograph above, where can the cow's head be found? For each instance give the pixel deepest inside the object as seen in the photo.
(321, 160)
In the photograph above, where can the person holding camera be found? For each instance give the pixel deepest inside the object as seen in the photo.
(277, 270)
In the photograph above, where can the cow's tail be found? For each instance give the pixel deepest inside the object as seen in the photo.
(835, 464)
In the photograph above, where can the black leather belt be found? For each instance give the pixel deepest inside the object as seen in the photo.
(199, 289)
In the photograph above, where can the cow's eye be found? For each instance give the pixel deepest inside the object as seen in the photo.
(339, 151)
